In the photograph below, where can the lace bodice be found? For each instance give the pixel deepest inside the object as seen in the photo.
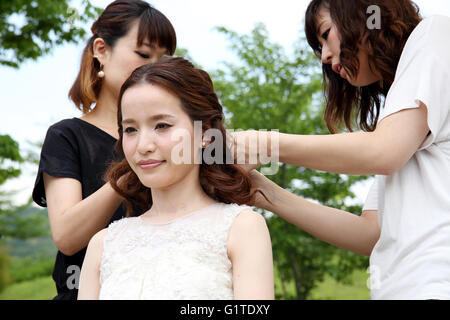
(185, 258)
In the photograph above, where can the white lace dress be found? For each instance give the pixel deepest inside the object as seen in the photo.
(185, 258)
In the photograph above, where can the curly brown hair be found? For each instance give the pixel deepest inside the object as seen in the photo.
(223, 182)
(384, 46)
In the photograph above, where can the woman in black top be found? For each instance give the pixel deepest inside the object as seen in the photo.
(77, 151)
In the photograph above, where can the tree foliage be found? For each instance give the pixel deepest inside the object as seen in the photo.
(31, 28)
(269, 89)
(19, 222)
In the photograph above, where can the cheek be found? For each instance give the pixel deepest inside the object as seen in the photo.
(122, 67)
(128, 146)
(174, 145)
(335, 42)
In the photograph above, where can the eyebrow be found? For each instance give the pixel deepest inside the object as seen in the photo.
(151, 46)
(319, 26)
(156, 117)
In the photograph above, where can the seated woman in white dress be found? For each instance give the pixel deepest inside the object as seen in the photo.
(195, 240)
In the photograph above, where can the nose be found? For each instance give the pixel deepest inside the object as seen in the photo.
(326, 54)
(146, 143)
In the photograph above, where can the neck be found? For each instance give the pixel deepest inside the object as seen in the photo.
(180, 198)
(106, 109)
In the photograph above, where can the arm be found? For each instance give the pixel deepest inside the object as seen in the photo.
(89, 288)
(340, 228)
(74, 221)
(250, 251)
(383, 151)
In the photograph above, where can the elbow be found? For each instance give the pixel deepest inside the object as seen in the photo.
(391, 168)
(386, 170)
(386, 163)
(367, 250)
(63, 245)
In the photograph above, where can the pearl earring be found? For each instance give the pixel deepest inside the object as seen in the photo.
(101, 73)
(204, 144)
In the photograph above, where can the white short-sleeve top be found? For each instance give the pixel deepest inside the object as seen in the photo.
(411, 260)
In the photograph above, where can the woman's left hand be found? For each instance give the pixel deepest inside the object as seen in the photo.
(266, 186)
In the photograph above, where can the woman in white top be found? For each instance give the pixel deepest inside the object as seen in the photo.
(374, 51)
(194, 241)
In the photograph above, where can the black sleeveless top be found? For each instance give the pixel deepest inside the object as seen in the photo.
(74, 148)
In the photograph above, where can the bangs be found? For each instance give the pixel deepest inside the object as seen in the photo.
(157, 29)
(311, 25)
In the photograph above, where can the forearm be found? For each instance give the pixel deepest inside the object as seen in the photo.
(354, 153)
(334, 226)
(79, 223)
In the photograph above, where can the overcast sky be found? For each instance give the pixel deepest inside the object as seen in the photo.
(35, 96)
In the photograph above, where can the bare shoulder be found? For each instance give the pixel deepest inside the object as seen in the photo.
(249, 229)
(248, 218)
(96, 242)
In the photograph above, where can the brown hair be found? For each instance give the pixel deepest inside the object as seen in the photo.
(114, 23)
(385, 46)
(227, 183)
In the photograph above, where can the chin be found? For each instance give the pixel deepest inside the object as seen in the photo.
(362, 82)
(155, 183)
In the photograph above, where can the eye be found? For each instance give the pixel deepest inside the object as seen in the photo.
(162, 126)
(129, 130)
(142, 55)
(325, 34)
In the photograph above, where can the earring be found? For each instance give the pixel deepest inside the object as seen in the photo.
(204, 144)
(101, 73)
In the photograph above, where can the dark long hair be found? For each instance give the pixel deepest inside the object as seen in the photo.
(227, 183)
(114, 23)
(385, 46)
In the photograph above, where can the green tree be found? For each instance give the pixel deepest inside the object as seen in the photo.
(31, 28)
(17, 222)
(269, 89)
(22, 222)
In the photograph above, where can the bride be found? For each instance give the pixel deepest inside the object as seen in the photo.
(194, 240)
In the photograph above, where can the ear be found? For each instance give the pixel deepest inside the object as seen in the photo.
(100, 49)
(205, 142)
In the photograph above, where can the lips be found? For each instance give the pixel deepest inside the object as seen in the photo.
(144, 162)
(148, 164)
(337, 68)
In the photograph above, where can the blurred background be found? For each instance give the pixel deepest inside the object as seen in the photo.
(266, 77)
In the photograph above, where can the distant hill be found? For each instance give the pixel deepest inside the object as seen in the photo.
(42, 246)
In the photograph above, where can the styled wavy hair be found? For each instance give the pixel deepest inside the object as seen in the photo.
(384, 46)
(114, 23)
(227, 183)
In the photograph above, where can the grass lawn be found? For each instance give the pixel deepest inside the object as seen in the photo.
(329, 289)
(37, 289)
